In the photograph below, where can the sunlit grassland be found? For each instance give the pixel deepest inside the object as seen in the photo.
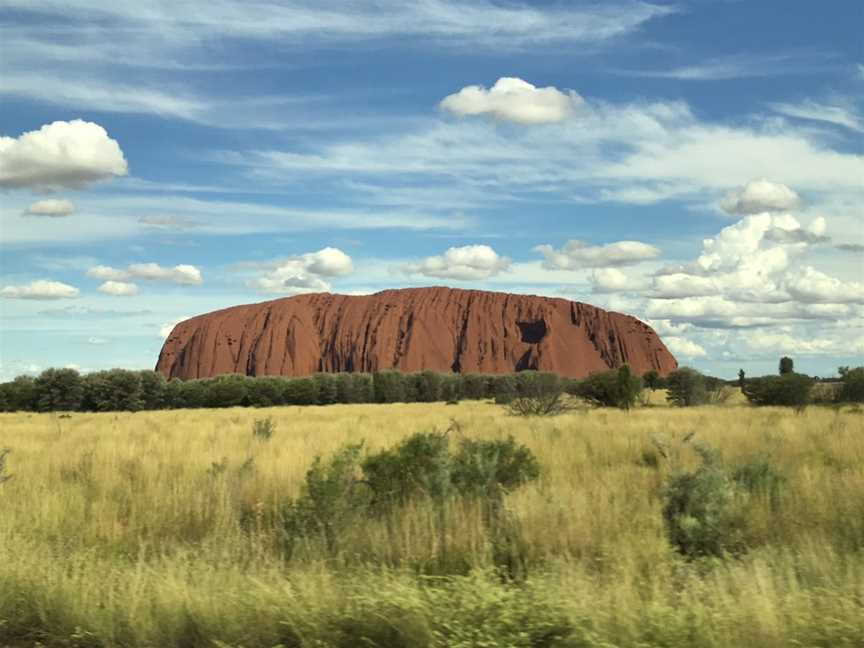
(156, 529)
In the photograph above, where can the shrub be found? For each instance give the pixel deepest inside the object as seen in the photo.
(326, 389)
(418, 467)
(792, 390)
(698, 509)
(330, 499)
(58, 390)
(613, 388)
(651, 379)
(758, 476)
(300, 391)
(153, 386)
(686, 387)
(4, 476)
(475, 386)
(263, 429)
(853, 386)
(18, 395)
(428, 386)
(504, 389)
(265, 391)
(229, 390)
(389, 387)
(112, 391)
(190, 393)
(486, 467)
(537, 394)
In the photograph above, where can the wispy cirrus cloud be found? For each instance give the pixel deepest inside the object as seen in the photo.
(475, 23)
(739, 66)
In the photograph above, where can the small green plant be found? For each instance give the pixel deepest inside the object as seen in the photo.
(758, 476)
(4, 476)
(698, 508)
(263, 429)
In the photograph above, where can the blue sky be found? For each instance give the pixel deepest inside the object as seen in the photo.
(697, 164)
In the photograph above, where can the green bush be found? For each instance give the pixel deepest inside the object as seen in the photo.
(613, 388)
(326, 389)
(790, 389)
(265, 391)
(300, 391)
(651, 379)
(112, 391)
(263, 429)
(331, 498)
(58, 390)
(390, 387)
(853, 386)
(153, 386)
(485, 467)
(698, 509)
(418, 467)
(686, 387)
(228, 390)
(19, 394)
(758, 476)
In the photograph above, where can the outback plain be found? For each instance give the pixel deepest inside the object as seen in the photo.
(174, 528)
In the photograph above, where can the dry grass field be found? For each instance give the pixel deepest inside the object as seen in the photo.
(158, 529)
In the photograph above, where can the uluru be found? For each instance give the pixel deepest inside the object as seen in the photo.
(412, 329)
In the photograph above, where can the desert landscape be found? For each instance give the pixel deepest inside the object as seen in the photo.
(163, 528)
(437, 324)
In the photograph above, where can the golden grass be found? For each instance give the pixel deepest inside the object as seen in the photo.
(118, 530)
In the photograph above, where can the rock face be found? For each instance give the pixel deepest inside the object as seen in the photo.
(441, 329)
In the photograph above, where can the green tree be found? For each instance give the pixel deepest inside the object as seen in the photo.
(326, 389)
(787, 366)
(628, 386)
(790, 390)
(686, 388)
(114, 390)
(741, 379)
(228, 390)
(389, 386)
(852, 390)
(19, 394)
(300, 391)
(59, 390)
(153, 386)
(266, 391)
(651, 379)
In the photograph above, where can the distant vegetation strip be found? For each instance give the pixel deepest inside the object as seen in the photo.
(527, 392)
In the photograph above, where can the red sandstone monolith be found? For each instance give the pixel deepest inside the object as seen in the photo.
(442, 329)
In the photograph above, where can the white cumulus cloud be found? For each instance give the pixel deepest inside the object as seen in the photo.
(760, 196)
(179, 274)
(683, 347)
(119, 288)
(575, 255)
(50, 207)
(40, 289)
(812, 286)
(469, 262)
(304, 273)
(515, 100)
(61, 154)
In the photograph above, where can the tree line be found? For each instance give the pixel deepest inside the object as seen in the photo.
(526, 392)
